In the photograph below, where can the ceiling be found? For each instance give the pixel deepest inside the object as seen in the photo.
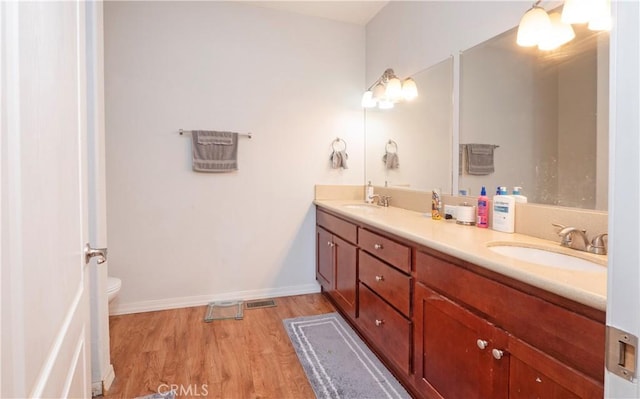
(355, 12)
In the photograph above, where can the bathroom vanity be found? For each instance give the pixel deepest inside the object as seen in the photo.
(452, 319)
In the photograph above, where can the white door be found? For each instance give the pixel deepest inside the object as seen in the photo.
(44, 279)
(623, 285)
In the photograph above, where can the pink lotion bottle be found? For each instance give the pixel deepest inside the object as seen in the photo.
(483, 209)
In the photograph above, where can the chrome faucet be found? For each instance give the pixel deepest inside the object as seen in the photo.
(383, 200)
(598, 245)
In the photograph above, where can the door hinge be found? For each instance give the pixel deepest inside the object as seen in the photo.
(621, 353)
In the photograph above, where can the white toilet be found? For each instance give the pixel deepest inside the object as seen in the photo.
(113, 286)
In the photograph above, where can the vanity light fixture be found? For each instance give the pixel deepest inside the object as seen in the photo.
(549, 32)
(388, 90)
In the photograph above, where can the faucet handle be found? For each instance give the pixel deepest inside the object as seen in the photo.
(558, 226)
(599, 244)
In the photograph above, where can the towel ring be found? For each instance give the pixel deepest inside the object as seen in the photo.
(391, 145)
(338, 141)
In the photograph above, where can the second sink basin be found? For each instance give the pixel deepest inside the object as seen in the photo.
(547, 258)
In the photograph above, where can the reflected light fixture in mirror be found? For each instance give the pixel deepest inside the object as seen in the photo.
(559, 34)
(388, 90)
(534, 26)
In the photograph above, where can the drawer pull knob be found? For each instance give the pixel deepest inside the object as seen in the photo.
(497, 354)
(482, 344)
(379, 278)
(379, 322)
(378, 246)
(329, 243)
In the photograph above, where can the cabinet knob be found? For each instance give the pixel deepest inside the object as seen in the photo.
(482, 344)
(497, 354)
(378, 246)
(379, 278)
(379, 322)
(329, 243)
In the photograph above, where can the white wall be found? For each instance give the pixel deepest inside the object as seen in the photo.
(177, 237)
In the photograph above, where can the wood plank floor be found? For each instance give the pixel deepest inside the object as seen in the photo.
(251, 358)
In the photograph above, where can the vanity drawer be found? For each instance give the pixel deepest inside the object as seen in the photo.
(396, 254)
(389, 283)
(337, 226)
(389, 331)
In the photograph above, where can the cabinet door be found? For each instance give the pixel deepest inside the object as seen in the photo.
(453, 350)
(346, 258)
(324, 259)
(534, 374)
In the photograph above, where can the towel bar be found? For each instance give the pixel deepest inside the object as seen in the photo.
(239, 134)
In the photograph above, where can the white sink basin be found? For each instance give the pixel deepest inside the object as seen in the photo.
(547, 258)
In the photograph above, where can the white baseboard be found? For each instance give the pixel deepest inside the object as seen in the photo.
(108, 378)
(186, 302)
(98, 388)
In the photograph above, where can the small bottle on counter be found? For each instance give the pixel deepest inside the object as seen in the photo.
(483, 209)
(436, 204)
(504, 211)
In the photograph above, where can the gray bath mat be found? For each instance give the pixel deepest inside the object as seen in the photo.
(163, 395)
(337, 363)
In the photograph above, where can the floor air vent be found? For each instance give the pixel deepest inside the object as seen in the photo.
(262, 303)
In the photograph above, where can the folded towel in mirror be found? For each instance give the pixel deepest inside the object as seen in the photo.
(480, 159)
(214, 151)
(339, 159)
(391, 160)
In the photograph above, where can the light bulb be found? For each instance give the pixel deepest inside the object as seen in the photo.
(394, 89)
(378, 92)
(409, 89)
(559, 34)
(534, 26)
(367, 100)
(577, 11)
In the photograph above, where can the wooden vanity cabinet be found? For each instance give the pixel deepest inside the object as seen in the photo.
(450, 329)
(476, 337)
(337, 260)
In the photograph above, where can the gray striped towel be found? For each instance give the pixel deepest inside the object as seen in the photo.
(214, 151)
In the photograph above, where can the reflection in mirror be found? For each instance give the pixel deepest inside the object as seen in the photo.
(548, 113)
(416, 134)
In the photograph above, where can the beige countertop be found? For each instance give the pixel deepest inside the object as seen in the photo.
(470, 243)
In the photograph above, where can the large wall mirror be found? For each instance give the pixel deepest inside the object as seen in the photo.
(419, 132)
(546, 114)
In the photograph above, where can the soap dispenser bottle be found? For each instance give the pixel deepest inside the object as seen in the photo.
(482, 211)
(518, 196)
(369, 194)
